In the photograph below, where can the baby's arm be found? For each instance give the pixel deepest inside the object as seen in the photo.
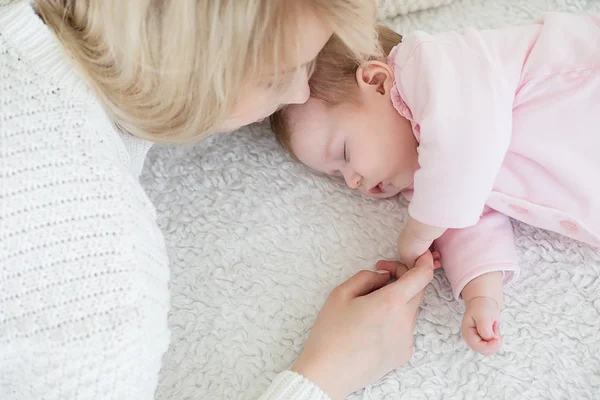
(484, 298)
(479, 262)
(415, 239)
(459, 156)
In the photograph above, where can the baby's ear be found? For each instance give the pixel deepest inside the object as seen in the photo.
(375, 75)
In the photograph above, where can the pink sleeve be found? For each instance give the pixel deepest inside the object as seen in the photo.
(461, 111)
(486, 247)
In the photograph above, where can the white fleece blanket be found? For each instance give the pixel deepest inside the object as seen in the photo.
(256, 242)
(387, 9)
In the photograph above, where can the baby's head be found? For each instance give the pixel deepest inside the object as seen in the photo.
(349, 127)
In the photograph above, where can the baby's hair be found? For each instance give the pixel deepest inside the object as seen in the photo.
(334, 78)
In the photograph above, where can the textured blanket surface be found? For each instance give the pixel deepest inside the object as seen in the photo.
(392, 8)
(256, 242)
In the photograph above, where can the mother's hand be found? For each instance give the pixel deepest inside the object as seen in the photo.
(365, 328)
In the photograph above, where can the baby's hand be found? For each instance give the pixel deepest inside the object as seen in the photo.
(410, 248)
(480, 325)
(415, 239)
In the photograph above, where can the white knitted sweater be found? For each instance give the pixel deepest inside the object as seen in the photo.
(83, 265)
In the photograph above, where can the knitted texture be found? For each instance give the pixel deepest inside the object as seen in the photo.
(83, 266)
(392, 8)
(289, 385)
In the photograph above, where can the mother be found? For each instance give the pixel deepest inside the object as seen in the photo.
(86, 87)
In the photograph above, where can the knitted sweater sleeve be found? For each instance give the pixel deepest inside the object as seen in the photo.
(83, 266)
(289, 385)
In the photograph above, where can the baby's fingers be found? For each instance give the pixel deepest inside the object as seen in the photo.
(437, 259)
(496, 329)
(477, 344)
(485, 327)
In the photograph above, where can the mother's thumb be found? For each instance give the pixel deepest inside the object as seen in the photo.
(363, 283)
(411, 283)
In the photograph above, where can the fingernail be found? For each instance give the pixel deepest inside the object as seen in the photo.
(382, 271)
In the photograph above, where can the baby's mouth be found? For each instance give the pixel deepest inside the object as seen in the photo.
(379, 188)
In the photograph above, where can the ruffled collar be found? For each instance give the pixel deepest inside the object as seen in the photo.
(397, 100)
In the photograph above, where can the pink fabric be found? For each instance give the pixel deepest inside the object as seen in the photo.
(507, 120)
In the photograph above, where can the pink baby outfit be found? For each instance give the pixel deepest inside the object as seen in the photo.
(508, 124)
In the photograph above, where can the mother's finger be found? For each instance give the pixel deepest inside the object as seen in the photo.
(411, 283)
(395, 268)
(362, 283)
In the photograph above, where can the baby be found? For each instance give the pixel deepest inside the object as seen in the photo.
(473, 128)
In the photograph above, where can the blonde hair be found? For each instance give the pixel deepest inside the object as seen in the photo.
(169, 70)
(334, 78)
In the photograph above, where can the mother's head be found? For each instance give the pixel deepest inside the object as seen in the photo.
(174, 70)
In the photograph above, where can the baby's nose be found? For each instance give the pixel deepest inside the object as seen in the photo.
(354, 180)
